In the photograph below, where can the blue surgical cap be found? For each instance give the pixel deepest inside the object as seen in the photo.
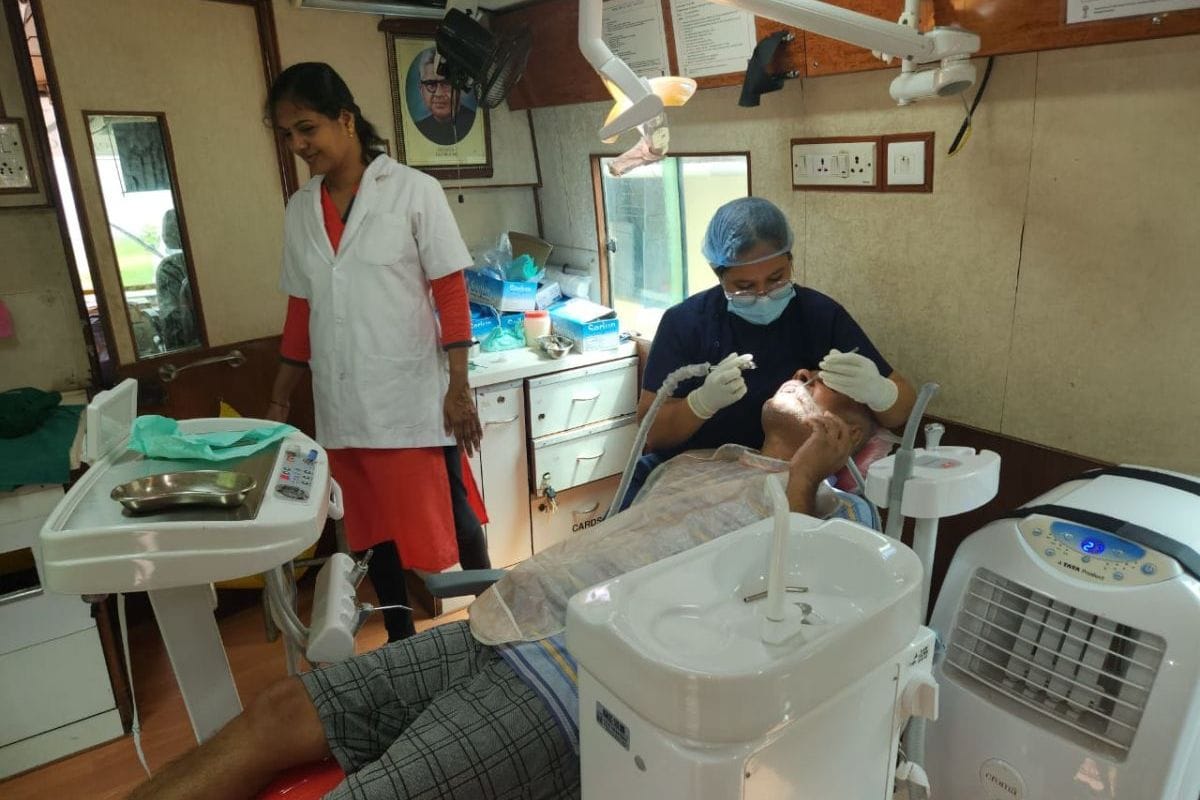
(741, 224)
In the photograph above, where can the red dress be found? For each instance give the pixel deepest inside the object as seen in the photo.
(397, 494)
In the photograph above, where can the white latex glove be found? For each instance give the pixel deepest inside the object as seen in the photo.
(857, 377)
(723, 387)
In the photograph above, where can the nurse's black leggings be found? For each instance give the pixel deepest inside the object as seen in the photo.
(387, 573)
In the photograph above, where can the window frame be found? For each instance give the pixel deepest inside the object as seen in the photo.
(601, 220)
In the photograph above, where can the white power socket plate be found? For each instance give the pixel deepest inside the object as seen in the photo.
(834, 163)
(905, 163)
(14, 163)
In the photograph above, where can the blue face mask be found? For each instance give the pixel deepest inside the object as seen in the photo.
(765, 309)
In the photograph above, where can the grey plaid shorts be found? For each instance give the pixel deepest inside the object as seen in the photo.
(440, 717)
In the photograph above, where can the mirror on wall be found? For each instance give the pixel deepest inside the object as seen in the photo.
(134, 167)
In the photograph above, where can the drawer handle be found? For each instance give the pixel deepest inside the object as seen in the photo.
(583, 512)
(589, 457)
(19, 595)
(501, 421)
(585, 398)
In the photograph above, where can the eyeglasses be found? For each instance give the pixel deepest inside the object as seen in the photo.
(433, 85)
(747, 297)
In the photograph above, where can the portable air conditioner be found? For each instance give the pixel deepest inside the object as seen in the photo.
(1072, 647)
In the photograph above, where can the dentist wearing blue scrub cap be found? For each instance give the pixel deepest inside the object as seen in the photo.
(757, 309)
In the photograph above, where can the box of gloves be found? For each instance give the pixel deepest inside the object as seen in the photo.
(590, 325)
(485, 288)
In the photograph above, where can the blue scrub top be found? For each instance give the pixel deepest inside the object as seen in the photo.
(702, 329)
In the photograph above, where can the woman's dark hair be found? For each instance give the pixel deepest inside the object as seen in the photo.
(312, 84)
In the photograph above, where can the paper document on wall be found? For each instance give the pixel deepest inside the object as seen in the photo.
(634, 31)
(1094, 10)
(711, 39)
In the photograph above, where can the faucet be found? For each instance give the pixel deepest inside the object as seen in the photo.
(782, 620)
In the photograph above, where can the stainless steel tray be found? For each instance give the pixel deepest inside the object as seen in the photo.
(213, 488)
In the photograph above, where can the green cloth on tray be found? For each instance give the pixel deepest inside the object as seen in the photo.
(159, 437)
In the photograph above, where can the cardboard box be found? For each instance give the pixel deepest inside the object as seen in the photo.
(590, 325)
(538, 249)
(502, 295)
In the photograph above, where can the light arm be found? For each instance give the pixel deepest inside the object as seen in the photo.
(863, 30)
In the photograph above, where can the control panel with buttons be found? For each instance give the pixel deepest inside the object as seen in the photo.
(1094, 555)
(294, 480)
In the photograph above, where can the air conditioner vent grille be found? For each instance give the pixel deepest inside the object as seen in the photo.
(1087, 676)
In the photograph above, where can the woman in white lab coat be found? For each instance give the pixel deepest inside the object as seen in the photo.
(370, 249)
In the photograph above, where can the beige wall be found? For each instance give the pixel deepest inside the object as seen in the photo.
(1049, 284)
(48, 349)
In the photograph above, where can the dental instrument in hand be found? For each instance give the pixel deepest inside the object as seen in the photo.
(818, 374)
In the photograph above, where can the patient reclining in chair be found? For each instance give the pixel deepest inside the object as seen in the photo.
(489, 708)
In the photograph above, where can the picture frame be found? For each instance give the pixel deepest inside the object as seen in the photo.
(438, 130)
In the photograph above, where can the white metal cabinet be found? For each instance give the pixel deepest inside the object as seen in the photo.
(57, 698)
(579, 510)
(503, 467)
(582, 455)
(577, 397)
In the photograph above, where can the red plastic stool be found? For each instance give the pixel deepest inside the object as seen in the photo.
(308, 782)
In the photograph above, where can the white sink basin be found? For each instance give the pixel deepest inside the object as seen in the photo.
(679, 643)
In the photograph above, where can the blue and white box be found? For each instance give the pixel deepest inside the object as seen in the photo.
(590, 325)
(501, 295)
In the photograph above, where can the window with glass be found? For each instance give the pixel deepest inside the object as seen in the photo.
(652, 224)
(137, 181)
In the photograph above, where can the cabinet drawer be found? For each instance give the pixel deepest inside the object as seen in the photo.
(580, 456)
(579, 509)
(577, 397)
(52, 684)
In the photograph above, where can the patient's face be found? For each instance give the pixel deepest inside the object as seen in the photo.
(787, 412)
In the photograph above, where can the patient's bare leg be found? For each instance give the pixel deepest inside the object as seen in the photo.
(280, 729)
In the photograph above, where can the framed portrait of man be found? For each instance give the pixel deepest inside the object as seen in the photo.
(439, 129)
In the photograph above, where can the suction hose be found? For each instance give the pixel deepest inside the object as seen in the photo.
(904, 461)
(666, 390)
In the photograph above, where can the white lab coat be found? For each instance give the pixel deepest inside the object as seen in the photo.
(378, 371)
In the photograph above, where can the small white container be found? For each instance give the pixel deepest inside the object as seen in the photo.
(537, 324)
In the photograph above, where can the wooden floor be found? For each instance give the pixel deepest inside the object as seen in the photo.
(110, 771)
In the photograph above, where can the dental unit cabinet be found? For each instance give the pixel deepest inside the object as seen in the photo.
(90, 545)
(681, 696)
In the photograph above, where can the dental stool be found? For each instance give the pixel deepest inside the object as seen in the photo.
(308, 782)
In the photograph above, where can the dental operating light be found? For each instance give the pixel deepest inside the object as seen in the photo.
(637, 102)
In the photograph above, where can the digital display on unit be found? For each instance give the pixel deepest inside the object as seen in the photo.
(1092, 542)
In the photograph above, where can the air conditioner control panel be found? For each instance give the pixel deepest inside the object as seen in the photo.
(1095, 555)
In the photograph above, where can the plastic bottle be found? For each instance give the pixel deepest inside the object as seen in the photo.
(537, 323)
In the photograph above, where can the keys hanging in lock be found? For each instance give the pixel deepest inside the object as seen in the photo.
(550, 494)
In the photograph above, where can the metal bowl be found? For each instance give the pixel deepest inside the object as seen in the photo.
(212, 488)
(555, 346)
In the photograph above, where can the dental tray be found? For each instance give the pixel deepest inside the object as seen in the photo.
(211, 488)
